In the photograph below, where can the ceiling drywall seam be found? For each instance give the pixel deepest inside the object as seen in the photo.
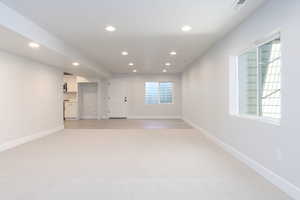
(12, 20)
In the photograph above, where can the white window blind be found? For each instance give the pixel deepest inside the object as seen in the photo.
(151, 93)
(259, 75)
(248, 97)
(270, 79)
(165, 91)
(158, 92)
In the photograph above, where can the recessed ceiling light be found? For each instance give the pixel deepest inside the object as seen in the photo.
(173, 53)
(124, 53)
(164, 70)
(130, 64)
(134, 71)
(75, 63)
(168, 64)
(33, 45)
(110, 28)
(186, 28)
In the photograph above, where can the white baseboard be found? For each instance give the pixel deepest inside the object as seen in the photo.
(88, 117)
(154, 117)
(275, 179)
(23, 140)
(70, 119)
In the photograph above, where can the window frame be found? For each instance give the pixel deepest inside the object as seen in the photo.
(159, 102)
(256, 45)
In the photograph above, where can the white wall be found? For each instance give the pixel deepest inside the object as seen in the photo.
(206, 92)
(101, 96)
(88, 100)
(28, 29)
(136, 100)
(31, 98)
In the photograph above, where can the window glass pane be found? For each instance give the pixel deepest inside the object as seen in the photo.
(270, 79)
(247, 75)
(151, 93)
(165, 91)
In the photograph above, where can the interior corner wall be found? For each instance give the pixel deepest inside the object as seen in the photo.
(205, 88)
(31, 100)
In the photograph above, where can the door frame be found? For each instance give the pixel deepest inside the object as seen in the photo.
(79, 99)
(124, 83)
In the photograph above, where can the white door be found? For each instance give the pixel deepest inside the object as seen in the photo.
(88, 101)
(117, 98)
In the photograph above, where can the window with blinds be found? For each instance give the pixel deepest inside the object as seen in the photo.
(259, 77)
(158, 92)
(270, 79)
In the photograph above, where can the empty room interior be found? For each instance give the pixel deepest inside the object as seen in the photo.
(149, 99)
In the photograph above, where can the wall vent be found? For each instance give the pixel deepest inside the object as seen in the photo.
(238, 4)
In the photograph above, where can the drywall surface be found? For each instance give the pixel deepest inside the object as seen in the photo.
(205, 91)
(31, 98)
(136, 107)
(101, 96)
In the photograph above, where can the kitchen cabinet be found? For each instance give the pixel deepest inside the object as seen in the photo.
(71, 83)
(71, 110)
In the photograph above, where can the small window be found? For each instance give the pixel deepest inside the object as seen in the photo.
(259, 79)
(158, 92)
(152, 92)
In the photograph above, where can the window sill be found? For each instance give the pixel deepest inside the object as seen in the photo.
(275, 122)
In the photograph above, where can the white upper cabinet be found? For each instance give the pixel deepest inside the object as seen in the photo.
(71, 83)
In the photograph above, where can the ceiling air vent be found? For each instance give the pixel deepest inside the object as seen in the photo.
(238, 4)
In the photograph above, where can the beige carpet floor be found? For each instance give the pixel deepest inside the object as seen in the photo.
(127, 124)
(162, 164)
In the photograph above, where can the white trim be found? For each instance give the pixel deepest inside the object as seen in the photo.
(233, 85)
(79, 99)
(11, 144)
(234, 74)
(268, 38)
(71, 119)
(275, 179)
(89, 117)
(267, 120)
(154, 117)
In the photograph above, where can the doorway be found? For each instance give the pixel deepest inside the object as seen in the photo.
(118, 98)
(88, 100)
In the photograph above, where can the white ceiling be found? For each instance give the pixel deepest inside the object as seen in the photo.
(17, 44)
(147, 29)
